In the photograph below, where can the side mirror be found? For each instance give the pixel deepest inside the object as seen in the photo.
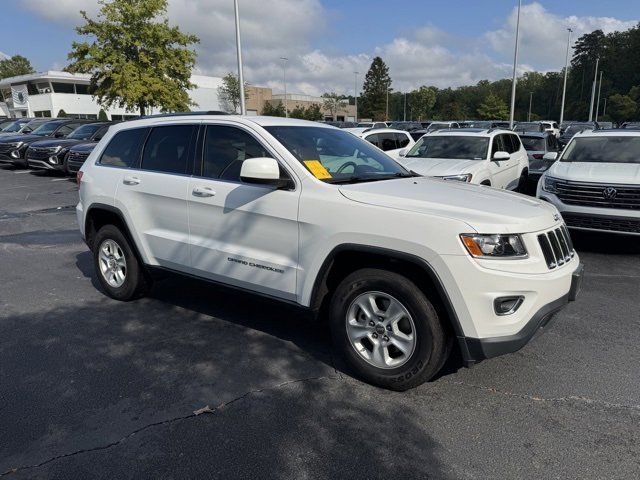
(59, 135)
(402, 153)
(551, 156)
(261, 170)
(501, 156)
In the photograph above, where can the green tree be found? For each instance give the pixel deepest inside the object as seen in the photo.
(334, 103)
(229, 93)
(377, 83)
(422, 101)
(135, 58)
(493, 108)
(271, 110)
(102, 116)
(313, 112)
(61, 114)
(621, 108)
(14, 66)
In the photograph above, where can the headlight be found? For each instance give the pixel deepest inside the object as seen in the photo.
(494, 246)
(465, 177)
(549, 184)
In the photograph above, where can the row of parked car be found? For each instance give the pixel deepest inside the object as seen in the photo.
(60, 144)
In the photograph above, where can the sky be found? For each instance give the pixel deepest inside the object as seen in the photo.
(424, 42)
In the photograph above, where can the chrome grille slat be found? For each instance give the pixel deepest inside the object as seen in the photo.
(557, 247)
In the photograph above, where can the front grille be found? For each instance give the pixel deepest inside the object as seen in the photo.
(600, 222)
(599, 195)
(77, 158)
(7, 147)
(36, 153)
(557, 247)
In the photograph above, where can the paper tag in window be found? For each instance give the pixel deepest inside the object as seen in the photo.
(317, 169)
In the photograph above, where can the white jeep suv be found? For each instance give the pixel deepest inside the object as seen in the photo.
(486, 157)
(402, 266)
(596, 181)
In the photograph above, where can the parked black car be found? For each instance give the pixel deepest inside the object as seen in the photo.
(51, 154)
(14, 148)
(22, 125)
(77, 155)
(574, 128)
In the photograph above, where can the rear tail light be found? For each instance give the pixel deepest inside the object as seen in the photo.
(538, 156)
(79, 177)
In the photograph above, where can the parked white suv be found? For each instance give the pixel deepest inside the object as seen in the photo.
(402, 266)
(596, 181)
(486, 157)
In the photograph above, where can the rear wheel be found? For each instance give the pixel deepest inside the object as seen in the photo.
(117, 267)
(387, 330)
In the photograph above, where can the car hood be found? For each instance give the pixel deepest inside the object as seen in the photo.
(623, 173)
(57, 142)
(436, 167)
(485, 209)
(23, 138)
(84, 147)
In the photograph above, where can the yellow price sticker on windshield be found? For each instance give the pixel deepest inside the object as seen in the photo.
(317, 169)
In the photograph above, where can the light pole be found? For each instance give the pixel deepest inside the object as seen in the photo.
(387, 114)
(566, 68)
(530, 102)
(284, 80)
(243, 107)
(593, 90)
(355, 93)
(604, 110)
(404, 118)
(598, 102)
(515, 64)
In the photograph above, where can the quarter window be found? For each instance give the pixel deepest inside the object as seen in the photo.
(402, 140)
(387, 141)
(167, 149)
(124, 148)
(225, 148)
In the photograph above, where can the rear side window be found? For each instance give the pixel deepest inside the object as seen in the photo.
(167, 149)
(225, 148)
(124, 148)
(387, 141)
(402, 140)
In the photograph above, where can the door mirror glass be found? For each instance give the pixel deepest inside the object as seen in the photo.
(501, 156)
(260, 170)
(551, 156)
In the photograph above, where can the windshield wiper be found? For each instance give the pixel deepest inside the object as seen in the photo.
(359, 179)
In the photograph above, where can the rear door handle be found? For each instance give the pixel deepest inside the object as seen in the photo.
(131, 180)
(203, 192)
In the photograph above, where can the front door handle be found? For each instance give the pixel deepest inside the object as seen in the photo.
(203, 192)
(131, 180)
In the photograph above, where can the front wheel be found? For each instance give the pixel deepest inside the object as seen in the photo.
(522, 182)
(387, 330)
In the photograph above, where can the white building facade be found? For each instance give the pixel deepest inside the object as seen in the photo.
(45, 94)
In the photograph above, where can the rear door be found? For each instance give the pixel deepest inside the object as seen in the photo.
(242, 234)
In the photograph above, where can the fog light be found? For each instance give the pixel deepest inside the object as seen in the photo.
(15, 154)
(507, 305)
(53, 160)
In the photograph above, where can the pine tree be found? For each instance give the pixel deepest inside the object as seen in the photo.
(377, 83)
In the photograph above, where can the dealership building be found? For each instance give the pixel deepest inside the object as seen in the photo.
(45, 94)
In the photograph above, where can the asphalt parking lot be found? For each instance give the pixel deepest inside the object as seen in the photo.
(93, 388)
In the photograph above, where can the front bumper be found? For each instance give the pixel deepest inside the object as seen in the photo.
(478, 349)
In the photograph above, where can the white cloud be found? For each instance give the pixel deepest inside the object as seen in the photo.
(428, 55)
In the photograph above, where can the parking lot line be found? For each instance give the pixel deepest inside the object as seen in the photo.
(59, 179)
(21, 171)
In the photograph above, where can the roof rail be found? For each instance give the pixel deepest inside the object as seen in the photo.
(180, 114)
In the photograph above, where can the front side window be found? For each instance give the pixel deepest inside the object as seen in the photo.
(124, 148)
(225, 148)
(603, 150)
(450, 146)
(336, 156)
(498, 145)
(167, 149)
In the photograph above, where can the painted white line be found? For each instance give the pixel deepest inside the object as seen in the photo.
(21, 171)
(59, 179)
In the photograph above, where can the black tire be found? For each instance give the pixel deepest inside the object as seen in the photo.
(431, 341)
(522, 182)
(136, 282)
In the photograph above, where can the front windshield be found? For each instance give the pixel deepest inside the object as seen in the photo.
(450, 146)
(14, 127)
(533, 143)
(437, 126)
(335, 156)
(603, 149)
(46, 129)
(577, 127)
(84, 132)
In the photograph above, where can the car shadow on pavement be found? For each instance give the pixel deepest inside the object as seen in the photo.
(607, 243)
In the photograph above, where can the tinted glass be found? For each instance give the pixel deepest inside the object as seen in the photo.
(124, 148)
(374, 139)
(100, 133)
(84, 132)
(167, 149)
(533, 143)
(401, 140)
(515, 141)
(65, 130)
(46, 128)
(455, 147)
(225, 148)
(13, 127)
(498, 145)
(387, 141)
(62, 87)
(603, 150)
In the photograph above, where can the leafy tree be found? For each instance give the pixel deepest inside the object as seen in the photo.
(334, 103)
(422, 102)
(62, 114)
(312, 112)
(621, 108)
(377, 83)
(271, 110)
(229, 93)
(136, 59)
(102, 116)
(14, 66)
(493, 108)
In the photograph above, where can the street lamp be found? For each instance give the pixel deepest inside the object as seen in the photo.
(593, 90)
(243, 107)
(598, 102)
(530, 102)
(284, 79)
(515, 64)
(566, 68)
(355, 93)
(387, 114)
